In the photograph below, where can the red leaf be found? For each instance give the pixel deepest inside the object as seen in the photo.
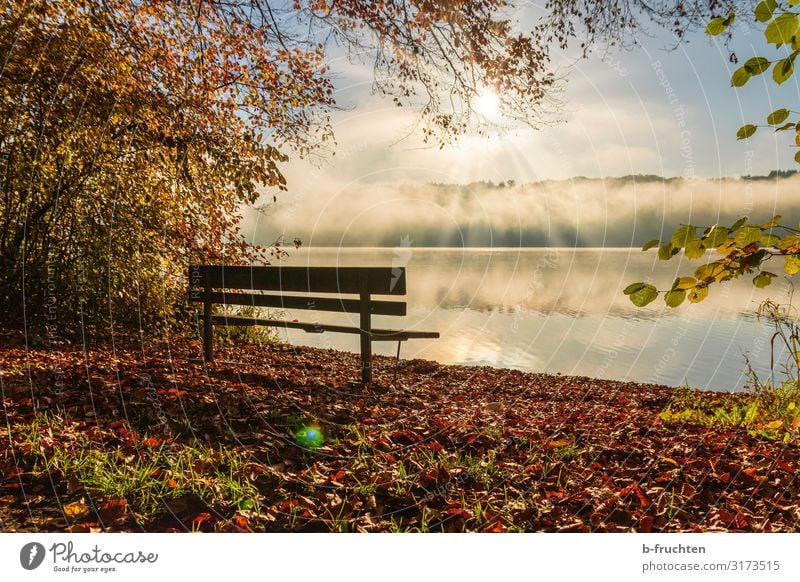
(113, 509)
(241, 522)
(459, 512)
(289, 503)
(641, 496)
(646, 524)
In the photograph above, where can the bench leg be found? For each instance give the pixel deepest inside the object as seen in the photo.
(208, 327)
(366, 332)
(366, 358)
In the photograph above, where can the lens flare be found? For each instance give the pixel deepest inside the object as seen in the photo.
(309, 437)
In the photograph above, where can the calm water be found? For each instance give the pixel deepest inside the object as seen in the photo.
(560, 310)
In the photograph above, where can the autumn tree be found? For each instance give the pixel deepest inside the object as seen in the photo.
(130, 133)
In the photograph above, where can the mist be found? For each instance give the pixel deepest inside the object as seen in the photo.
(581, 212)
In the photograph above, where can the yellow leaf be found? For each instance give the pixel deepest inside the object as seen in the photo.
(686, 283)
(791, 264)
(775, 424)
(557, 444)
(727, 247)
(697, 295)
(76, 510)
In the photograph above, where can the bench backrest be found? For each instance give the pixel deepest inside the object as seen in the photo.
(210, 282)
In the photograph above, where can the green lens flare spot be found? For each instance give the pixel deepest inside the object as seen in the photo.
(309, 437)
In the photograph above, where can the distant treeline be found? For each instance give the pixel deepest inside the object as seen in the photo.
(633, 178)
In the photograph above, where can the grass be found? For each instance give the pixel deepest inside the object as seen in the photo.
(772, 412)
(245, 335)
(148, 479)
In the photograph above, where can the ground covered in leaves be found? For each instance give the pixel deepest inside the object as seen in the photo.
(138, 436)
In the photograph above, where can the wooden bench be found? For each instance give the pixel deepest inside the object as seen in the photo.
(228, 285)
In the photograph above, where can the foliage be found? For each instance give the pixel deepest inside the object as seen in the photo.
(130, 135)
(250, 334)
(742, 248)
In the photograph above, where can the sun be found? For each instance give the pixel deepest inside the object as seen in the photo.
(487, 104)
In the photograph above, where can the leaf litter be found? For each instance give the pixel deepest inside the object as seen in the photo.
(151, 439)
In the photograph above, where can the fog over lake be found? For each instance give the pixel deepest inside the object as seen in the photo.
(613, 212)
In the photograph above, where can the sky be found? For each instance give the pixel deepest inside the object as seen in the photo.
(647, 110)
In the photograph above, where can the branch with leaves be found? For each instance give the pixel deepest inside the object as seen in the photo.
(744, 249)
(781, 29)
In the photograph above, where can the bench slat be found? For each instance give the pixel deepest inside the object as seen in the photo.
(376, 334)
(380, 280)
(310, 303)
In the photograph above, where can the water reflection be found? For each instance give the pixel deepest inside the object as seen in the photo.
(561, 310)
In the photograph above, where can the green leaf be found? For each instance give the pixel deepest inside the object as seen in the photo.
(783, 69)
(785, 126)
(633, 288)
(684, 235)
(697, 294)
(650, 244)
(791, 264)
(717, 26)
(748, 235)
(778, 116)
(782, 29)
(739, 223)
(694, 249)
(643, 296)
(765, 9)
(675, 298)
(797, 157)
(665, 252)
(763, 279)
(740, 77)
(746, 131)
(717, 236)
(770, 240)
(756, 65)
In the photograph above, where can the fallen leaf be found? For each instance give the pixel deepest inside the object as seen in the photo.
(112, 510)
(76, 510)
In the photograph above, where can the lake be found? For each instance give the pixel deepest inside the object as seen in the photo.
(560, 310)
